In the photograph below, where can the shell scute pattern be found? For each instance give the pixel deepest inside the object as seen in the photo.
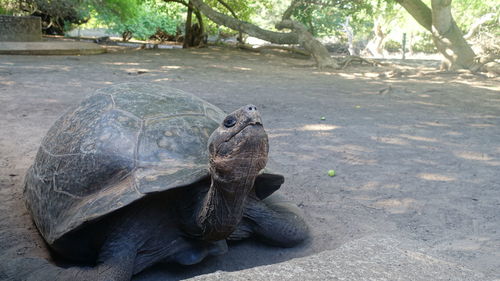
(151, 103)
(178, 139)
(112, 149)
(75, 124)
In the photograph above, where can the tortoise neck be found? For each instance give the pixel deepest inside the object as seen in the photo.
(222, 207)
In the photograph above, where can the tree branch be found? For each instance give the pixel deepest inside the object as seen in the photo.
(288, 12)
(223, 3)
(310, 44)
(180, 2)
(475, 26)
(239, 25)
(419, 11)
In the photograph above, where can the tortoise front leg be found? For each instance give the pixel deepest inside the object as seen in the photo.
(274, 220)
(116, 261)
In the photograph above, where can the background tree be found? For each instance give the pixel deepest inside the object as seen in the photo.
(361, 23)
(55, 14)
(446, 34)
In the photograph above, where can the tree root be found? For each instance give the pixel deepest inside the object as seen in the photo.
(273, 47)
(346, 61)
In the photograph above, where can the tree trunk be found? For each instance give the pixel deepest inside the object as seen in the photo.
(240, 35)
(353, 51)
(188, 34)
(194, 35)
(446, 35)
(376, 45)
(477, 24)
(449, 39)
(379, 38)
(308, 42)
(411, 41)
(419, 11)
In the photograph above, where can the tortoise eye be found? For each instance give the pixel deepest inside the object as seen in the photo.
(229, 122)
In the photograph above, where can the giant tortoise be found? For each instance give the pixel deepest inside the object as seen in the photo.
(139, 174)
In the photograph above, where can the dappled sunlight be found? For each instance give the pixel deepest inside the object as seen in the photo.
(334, 73)
(348, 148)
(427, 103)
(106, 83)
(241, 68)
(321, 128)
(357, 160)
(418, 138)
(434, 124)
(7, 83)
(478, 84)
(219, 66)
(371, 185)
(453, 133)
(351, 154)
(350, 76)
(348, 154)
(392, 186)
(318, 127)
(137, 70)
(485, 116)
(477, 125)
(395, 206)
(426, 162)
(162, 79)
(173, 67)
(435, 177)
(476, 156)
(470, 155)
(200, 52)
(277, 135)
(41, 68)
(300, 156)
(121, 63)
(371, 74)
(390, 140)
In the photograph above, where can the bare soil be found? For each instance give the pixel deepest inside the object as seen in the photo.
(416, 152)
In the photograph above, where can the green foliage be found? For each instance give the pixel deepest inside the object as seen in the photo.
(424, 44)
(4, 11)
(465, 12)
(144, 20)
(246, 10)
(8, 7)
(325, 17)
(55, 14)
(393, 46)
(122, 9)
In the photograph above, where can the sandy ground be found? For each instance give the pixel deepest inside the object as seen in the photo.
(417, 153)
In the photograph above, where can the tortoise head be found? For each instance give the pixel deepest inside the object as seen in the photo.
(238, 151)
(238, 148)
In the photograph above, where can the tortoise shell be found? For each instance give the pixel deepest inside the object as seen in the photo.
(117, 146)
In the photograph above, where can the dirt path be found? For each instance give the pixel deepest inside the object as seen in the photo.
(416, 154)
